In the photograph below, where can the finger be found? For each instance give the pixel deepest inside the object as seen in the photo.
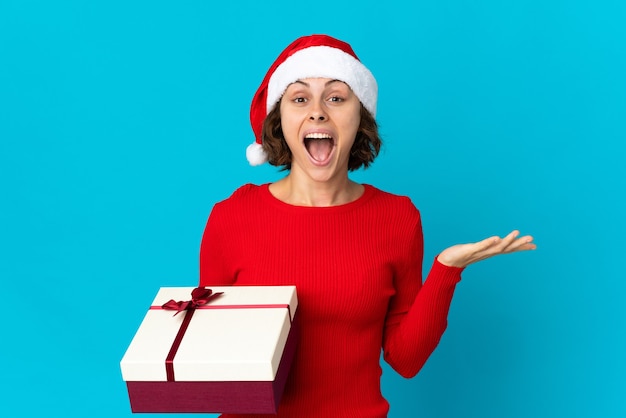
(507, 241)
(519, 244)
(488, 243)
(523, 243)
(510, 243)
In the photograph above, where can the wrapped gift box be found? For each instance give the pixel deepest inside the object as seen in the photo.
(231, 355)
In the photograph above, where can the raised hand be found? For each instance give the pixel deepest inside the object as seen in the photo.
(462, 255)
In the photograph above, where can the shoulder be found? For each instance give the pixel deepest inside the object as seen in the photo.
(398, 220)
(244, 194)
(244, 198)
(390, 202)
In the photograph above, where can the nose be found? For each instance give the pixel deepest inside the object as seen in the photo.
(319, 117)
(317, 113)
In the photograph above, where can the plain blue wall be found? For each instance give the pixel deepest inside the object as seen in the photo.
(122, 123)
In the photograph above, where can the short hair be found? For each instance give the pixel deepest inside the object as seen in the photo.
(364, 150)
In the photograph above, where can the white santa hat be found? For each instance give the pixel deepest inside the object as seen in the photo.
(308, 57)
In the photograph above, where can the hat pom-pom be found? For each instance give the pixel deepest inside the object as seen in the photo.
(255, 154)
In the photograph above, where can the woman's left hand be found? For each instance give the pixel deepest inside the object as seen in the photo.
(462, 255)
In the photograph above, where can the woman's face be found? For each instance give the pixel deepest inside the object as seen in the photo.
(320, 118)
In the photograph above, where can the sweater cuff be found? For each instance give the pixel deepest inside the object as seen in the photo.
(446, 274)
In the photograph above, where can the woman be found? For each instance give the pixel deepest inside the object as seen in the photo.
(354, 252)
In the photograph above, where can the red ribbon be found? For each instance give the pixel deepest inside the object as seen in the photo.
(199, 296)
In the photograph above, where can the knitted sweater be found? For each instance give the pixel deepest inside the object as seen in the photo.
(357, 269)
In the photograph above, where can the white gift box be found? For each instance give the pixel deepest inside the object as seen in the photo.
(231, 355)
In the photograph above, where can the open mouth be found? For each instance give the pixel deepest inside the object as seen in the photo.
(319, 146)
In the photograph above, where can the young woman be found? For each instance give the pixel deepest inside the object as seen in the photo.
(353, 252)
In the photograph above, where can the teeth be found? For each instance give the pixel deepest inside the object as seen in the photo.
(318, 136)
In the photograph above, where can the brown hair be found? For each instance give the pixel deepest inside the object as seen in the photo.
(364, 150)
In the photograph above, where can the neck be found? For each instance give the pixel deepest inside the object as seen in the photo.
(308, 192)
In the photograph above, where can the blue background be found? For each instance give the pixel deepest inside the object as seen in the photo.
(122, 123)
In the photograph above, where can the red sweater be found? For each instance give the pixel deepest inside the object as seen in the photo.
(357, 269)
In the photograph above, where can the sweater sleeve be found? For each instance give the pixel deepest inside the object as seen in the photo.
(417, 315)
(214, 266)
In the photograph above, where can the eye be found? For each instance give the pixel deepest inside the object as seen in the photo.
(299, 100)
(336, 99)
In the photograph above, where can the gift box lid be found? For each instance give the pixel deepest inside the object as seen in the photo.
(238, 336)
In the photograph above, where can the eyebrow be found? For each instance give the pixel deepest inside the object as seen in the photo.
(327, 83)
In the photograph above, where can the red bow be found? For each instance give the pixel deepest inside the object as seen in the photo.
(199, 296)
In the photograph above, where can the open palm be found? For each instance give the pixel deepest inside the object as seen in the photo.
(462, 255)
